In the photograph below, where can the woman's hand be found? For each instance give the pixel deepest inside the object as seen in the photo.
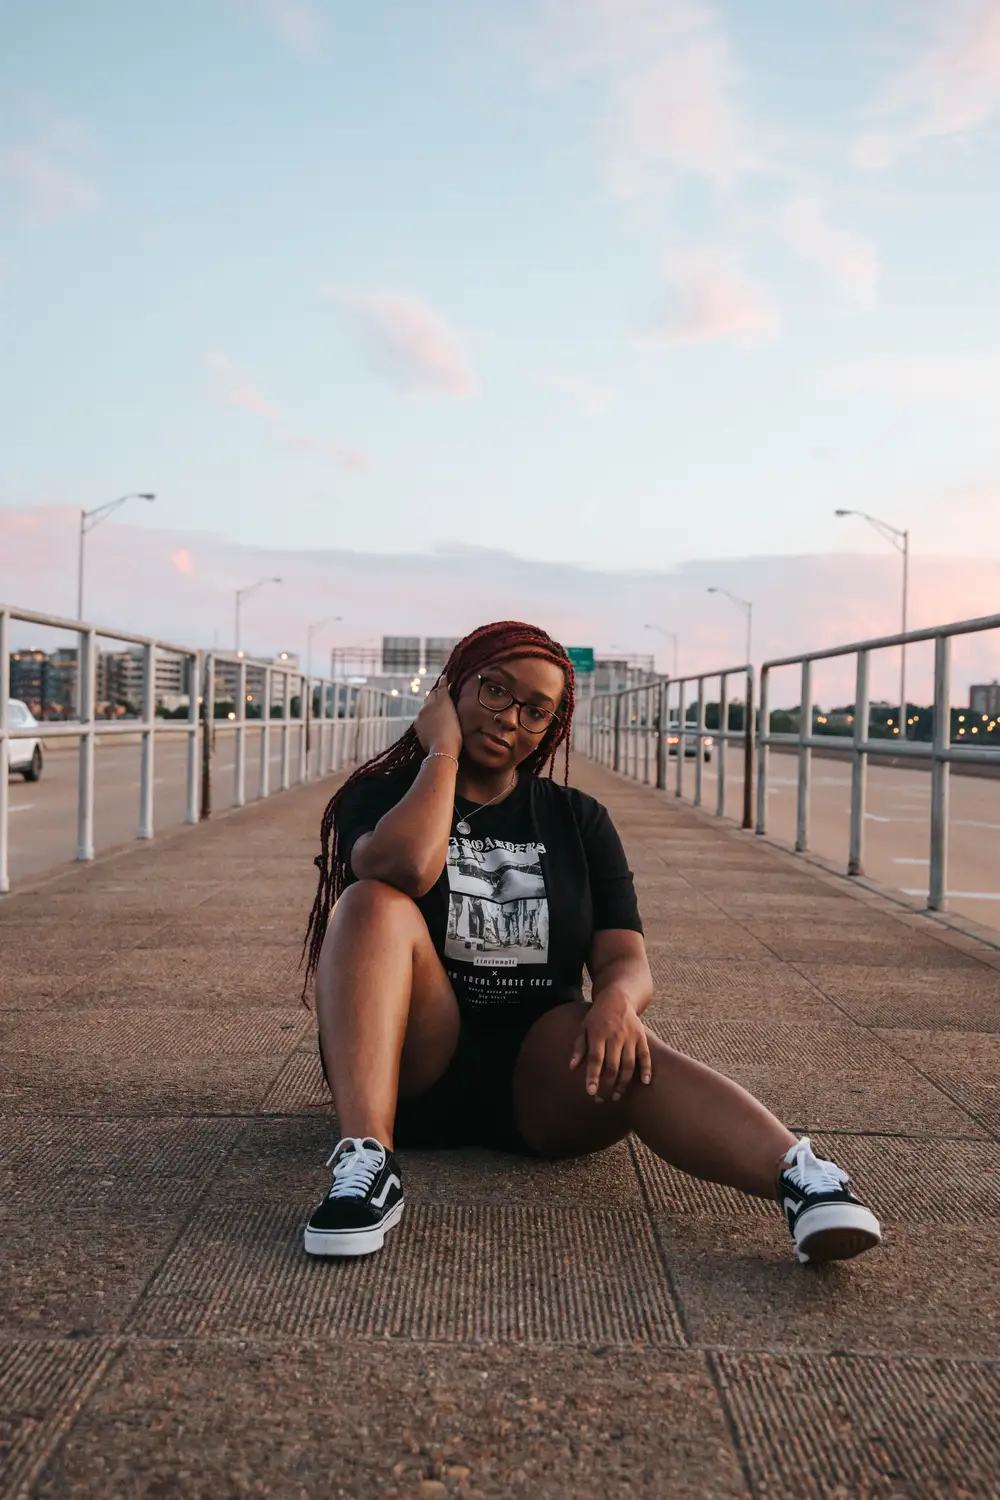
(613, 1040)
(437, 724)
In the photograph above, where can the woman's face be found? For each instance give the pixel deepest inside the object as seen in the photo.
(492, 732)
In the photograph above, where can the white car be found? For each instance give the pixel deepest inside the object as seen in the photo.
(690, 745)
(23, 755)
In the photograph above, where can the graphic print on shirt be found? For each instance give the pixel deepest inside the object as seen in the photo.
(498, 913)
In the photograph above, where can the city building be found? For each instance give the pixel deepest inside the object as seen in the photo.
(120, 679)
(27, 678)
(984, 698)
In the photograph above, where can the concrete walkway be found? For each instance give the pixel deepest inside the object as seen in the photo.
(599, 1329)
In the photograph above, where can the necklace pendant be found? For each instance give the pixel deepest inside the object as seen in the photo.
(463, 827)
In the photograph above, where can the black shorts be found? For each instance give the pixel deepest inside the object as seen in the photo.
(471, 1104)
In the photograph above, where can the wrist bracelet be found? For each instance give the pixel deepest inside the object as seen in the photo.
(441, 755)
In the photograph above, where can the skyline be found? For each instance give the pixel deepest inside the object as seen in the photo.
(613, 283)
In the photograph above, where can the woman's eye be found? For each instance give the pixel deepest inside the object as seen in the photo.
(536, 716)
(494, 691)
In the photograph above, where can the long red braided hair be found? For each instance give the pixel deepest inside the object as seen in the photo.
(486, 646)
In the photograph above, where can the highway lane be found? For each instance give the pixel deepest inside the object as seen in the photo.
(43, 815)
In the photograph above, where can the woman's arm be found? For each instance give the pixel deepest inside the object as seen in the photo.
(612, 1038)
(409, 845)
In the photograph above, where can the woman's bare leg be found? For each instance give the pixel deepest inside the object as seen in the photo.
(696, 1119)
(388, 1018)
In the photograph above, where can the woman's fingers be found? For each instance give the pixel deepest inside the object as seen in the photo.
(595, 1062)
(644, 1061)
(579, 1049)
(626, 1069)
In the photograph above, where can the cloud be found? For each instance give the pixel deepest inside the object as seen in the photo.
(715, 299)
(410, 343)
(48, 190)
(949, 88)
(669, 81)
(849, 260)
(183, 562)
(936, 379)
(296, 21)
(592, 400)
(237, 390)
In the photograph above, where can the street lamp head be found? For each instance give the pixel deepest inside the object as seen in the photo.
(144, 495)
(713, 590)
(843, 512)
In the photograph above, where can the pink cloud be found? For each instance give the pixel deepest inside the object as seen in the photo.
(715, 299)
(183, 562)
(49, 191)
(237, 390)
(348, 458)
(410, 343)
(849, 260)
(670, 84)
(950, 87)
(295, 21)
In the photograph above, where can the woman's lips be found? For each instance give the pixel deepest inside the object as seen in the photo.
(495, 740)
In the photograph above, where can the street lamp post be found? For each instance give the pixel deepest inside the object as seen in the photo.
(241, 594)
(747, 606)
(901, 541)
(88, 520)
(671, 635)
(311, 630)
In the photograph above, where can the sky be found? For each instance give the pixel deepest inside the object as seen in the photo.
(614, 283)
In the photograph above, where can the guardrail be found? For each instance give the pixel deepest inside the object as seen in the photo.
(337, 724)
(636, 730)
(942, 752)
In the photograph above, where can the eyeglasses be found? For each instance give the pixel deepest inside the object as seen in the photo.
(530, 717)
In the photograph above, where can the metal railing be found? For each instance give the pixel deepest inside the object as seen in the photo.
(336, 725)
(941, 752)
(637, 730)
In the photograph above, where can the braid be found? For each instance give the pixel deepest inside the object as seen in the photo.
(490, 643)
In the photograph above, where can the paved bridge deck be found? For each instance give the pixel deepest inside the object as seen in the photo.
(605, 1328)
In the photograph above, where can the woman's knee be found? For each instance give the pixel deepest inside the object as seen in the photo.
(366, 901)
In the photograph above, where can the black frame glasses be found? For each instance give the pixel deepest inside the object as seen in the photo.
(509, 702)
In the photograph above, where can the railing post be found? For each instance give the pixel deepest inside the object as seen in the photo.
(699, 760)
(937, 893)
(661, 742)
(85, 803)
(147, 761)
(4, 757)
(286, 714)
(207, 731)
(859, 768)
(681, 725)
(305, 693)
(763, 733)
(240, 762)
(646, 714)
(805, 760)
(193, 682)
(721, 746)
(749, 734)
(616, 758)
(264, 771)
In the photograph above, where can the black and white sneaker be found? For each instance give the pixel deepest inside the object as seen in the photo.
(365, 1199)
(826, 1220)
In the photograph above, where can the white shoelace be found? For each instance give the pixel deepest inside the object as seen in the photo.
(811, 1173)
(359, 1163)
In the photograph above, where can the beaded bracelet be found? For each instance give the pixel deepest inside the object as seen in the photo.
(441, 754)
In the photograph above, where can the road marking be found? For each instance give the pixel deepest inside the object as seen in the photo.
(874, 818)
(23, 807)
(907, 861)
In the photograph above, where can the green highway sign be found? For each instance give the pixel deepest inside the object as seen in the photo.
(582, 658)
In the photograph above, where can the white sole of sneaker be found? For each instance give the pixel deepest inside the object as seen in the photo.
(341, 1242)
(835, 1231)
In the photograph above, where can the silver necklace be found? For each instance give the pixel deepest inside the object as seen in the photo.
(462, 826)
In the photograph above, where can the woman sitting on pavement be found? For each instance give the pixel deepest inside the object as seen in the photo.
(461, 894)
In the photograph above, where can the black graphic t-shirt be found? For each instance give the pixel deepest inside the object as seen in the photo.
(517, 904)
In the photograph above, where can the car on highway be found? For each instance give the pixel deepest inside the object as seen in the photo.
(23, 755)
(690, 745)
